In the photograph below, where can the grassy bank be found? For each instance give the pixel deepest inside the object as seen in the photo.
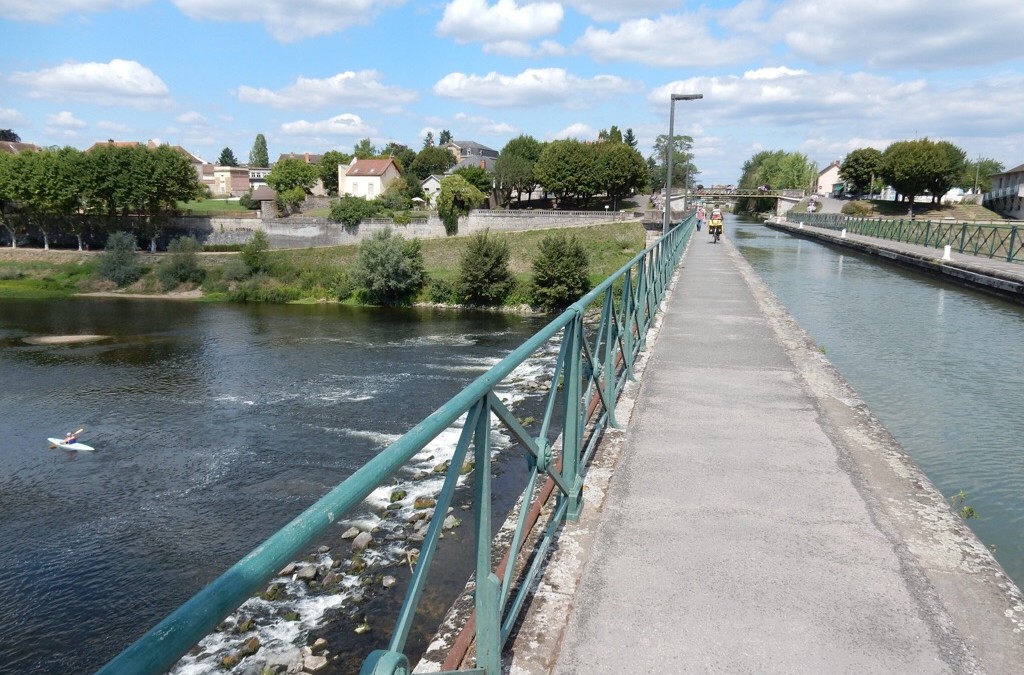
(304, 275)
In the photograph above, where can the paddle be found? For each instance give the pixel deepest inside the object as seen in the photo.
(52, 446)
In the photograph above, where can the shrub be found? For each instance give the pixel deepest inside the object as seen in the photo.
(288, 200)
(560, 272)
(443, 292)
(254, 253)
(325, 281)
(388, 269)
(350, 211)
(456, 198)
(484, 275)
(117, 262)
(248, 202)
(858, 208)
(181, 266)
(262, 288)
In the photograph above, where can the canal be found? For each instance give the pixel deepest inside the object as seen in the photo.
(939, 365)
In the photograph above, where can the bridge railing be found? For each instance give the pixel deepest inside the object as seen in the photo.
(1004, 242)
(600, 337)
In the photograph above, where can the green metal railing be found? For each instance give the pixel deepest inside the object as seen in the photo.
(1004, 242)
(601, 336)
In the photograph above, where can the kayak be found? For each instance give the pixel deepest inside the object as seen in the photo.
(59, 442)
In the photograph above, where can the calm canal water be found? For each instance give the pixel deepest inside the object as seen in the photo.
(213, 425)
(939, 365)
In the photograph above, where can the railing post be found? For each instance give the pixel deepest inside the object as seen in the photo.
(1013, 242)
(488, 614)
(611, 343)
(963, 236)
(927, 232)
(572, 417)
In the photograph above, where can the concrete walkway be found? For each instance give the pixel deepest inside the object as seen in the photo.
(760, 519)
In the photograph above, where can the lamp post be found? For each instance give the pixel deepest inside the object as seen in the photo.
(669, 147)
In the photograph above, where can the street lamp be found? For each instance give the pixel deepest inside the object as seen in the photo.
(669, 147)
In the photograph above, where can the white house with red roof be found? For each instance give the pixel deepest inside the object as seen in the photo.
(367, 178)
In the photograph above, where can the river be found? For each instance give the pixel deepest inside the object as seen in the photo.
(214, 425)
(938, 364)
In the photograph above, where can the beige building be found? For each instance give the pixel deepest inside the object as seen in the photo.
(1007, 195)
(367, 178)
(828, 179)
(230, 181)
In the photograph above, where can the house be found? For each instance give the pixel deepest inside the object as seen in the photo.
(431, 186)
(828, 179)
(367, 178)
(258, 176)
(309, 158)
(1007, 195)
(14, 148)
(464, 149)
(230, 181)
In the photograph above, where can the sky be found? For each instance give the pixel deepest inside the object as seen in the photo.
(812, 76)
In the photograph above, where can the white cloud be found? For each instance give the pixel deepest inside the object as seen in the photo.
(349, 88)
(475, 124)
(668, 41)
(578, 131)
(535, 86)
(116, 127)
(476, 21)
(339, 125)
(899, 35)
(191, 117)
(119, 82)
(616, 10)
(289, 21)
(10, 116)
(65, 120)
(33, 10)
(524, 49)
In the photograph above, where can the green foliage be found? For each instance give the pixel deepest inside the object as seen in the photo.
(484, 275)
(259, 156)
(445, 137)
(977, 174)
(291, 173)
(350, 210)
(117, 262)
(262, 288)
(431, 160)
(248, 202)
(181, 266)
(254, 253)
(560, 272)
(227, 158)
(860, 167)
(960, 505)
(568, 168)
(477, 177)
(403, 155)
(858, 208)
(455, 199)
(326, 282)
(778, 170)
(684, 171)
(444, 292)
(288, 201)
(364, 149)
(327, 169)
(911, 166)
(620, 169)
(398, 195)
(388, 269)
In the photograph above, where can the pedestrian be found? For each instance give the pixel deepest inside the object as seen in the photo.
(701, 215)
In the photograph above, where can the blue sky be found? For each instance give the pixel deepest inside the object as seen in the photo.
(810, 76)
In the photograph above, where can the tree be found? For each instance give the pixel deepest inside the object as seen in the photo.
(117, 262)
(910, 166)
(620, 170)
(612, 135)
(259, 155)
(684, 171)
(432, 160)
(952, 168)
(254, 253)
(428, 140)
(484, 274)
(227, 158)
(402, 154)
(388, 269)
(778, 170)
(327, 169)
(568, 168)
(561, 272)
(399, 194)
(445, 138)
(350, 210)
(630, 140)
(50, 190)
(513, 170)
(10, 178)
(181, 266)
(290, 173)
(455, 199)
(9, 135)
(364, 149)
(477, 177)
(977, 176)
(860, 168)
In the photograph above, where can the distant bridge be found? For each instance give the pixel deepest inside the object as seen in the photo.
(681, 200)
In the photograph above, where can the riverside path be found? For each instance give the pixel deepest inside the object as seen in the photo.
(757, 518)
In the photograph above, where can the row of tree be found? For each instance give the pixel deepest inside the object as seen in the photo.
(917, 167)
(51, 189)
(773, 170)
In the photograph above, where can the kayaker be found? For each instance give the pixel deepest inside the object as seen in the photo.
(72, 437)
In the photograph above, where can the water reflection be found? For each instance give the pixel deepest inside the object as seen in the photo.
(938, 364)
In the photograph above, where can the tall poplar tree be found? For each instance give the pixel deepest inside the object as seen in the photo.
(258, 156)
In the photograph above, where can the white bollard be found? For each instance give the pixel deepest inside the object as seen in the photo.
(801, 226)
(842, 235)
(946, 252)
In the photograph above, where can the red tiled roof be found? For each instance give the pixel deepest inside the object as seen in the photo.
(14, 147)
(370, 167)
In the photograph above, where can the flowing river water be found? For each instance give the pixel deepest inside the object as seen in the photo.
(214, 426)
(941, 366)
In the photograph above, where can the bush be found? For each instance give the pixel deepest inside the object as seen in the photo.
(484, 275)
(858, 208)
(350, 211)
(444, 292)
(181, 266)
(117, 262)
(248, 202)
(254, 253)
(262, 288)
(325, 281)
(388, 269)
(560, 273)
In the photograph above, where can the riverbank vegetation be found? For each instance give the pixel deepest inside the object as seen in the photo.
(487, 269)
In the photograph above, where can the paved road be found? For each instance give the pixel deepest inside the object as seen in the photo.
(760, 520)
